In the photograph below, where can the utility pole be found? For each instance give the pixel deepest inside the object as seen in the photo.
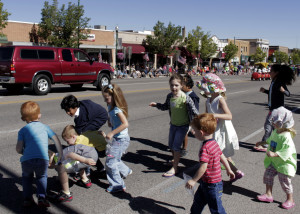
(78, 25)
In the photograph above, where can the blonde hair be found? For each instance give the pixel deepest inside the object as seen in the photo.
(68, 132)
(119, 100)
(30, 111)
(291, 130)
(205, 122)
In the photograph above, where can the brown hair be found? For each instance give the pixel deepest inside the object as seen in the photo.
(176, 77)
(30, 111)
(68, 132)
(205, 122)
(119, 100)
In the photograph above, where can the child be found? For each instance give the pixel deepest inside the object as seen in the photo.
(88, 138)
(225, 133)
(182, 110)
(281, 76)
(211, 186)
(281, 156)
(33, 145)
(118, 114)
(187, 86)
(88, 116)
(75, 159)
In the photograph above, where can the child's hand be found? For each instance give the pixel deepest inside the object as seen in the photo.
(282, 89)
(109, 136)
(262, 89)
(272, 154)
(152, 104)
(102, 133)
(90, 161)
(190, 184)
(231, 174)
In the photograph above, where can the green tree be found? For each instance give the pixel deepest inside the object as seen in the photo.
(164, 39)
(230, 51)
(259, 55)
(3, 18)
(60, 27)
(281, 57)
(296, 56)
(207, 48)
(192, 41)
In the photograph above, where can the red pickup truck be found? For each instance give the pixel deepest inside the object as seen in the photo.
(39, 67)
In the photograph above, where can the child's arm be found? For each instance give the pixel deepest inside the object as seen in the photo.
(153, 104)
(161, 106)
(272, 154)
(58, 146)
(81, 159)
(124, 125)
(228, 169)
(191, 183)
(19, 147)
(261, 143)
(285, 90)
(227, 114)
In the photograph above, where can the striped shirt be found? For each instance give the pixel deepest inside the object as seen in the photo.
(210, 153)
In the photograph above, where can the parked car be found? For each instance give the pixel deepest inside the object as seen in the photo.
(40, 67)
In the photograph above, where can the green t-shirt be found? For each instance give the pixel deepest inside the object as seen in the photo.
(179, 114)
(283, 145)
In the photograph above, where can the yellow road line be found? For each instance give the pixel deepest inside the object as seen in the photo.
(92, 95)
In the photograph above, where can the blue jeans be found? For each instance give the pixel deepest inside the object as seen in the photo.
(176, 136)
(114, 165)
(39, 167)
(208, 194)
(268, 127)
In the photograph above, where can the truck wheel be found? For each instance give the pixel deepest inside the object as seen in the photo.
(41, 85)
(76, 86)
(14, 89)
(103, 80)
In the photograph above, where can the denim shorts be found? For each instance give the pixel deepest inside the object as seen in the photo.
(176, 136)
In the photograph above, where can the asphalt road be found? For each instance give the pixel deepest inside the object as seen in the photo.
(147, 190)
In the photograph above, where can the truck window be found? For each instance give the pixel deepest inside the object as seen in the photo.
(6, 54)
(81, 57)
(66, 55)
(29, 54)
(46, 54)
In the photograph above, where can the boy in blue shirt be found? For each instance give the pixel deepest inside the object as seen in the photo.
(33, 145)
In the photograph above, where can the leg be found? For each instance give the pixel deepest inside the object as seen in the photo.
(268, 127)
(63, 179)
(27, 178)
(124, 169)
(286, 184)
(269, 175)
(41, 169)
(199, 201)
(213, 193)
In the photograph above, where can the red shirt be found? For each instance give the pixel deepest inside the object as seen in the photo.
(210, 153)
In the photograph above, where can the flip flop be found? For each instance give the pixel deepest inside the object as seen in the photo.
(168, 174)
(260, 148)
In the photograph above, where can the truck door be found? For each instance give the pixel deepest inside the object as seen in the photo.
(83, 67)
(67, 66)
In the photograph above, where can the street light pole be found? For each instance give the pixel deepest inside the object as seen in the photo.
(117, 31)
(78, 25)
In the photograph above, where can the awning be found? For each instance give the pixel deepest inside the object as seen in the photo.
(136, 49)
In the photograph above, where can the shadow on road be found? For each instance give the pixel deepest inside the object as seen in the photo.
(11, 197)
(145, 205)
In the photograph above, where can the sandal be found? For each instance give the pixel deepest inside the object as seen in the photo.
(264, 198)
(168, 174)
(260, 148)
(288, 205)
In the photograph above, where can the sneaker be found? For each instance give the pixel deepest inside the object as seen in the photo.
(63, 197)
(76, 177)
(111, 190)
(238, 175)
(183, 152)
(86, 184)
(28, 202)
(43, 202)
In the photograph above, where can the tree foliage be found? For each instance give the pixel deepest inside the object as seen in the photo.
(230, 51)
(192, 41)
(207, 48)
(259, 55)
(295, 56)
(33, 35)
(60, 27)
(164, 39)
(281, 57)
(3, 18)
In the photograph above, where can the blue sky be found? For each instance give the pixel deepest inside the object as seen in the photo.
(275, 20)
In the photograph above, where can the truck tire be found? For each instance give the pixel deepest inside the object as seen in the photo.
(76, 86)
(103, 80)
(41, 85)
